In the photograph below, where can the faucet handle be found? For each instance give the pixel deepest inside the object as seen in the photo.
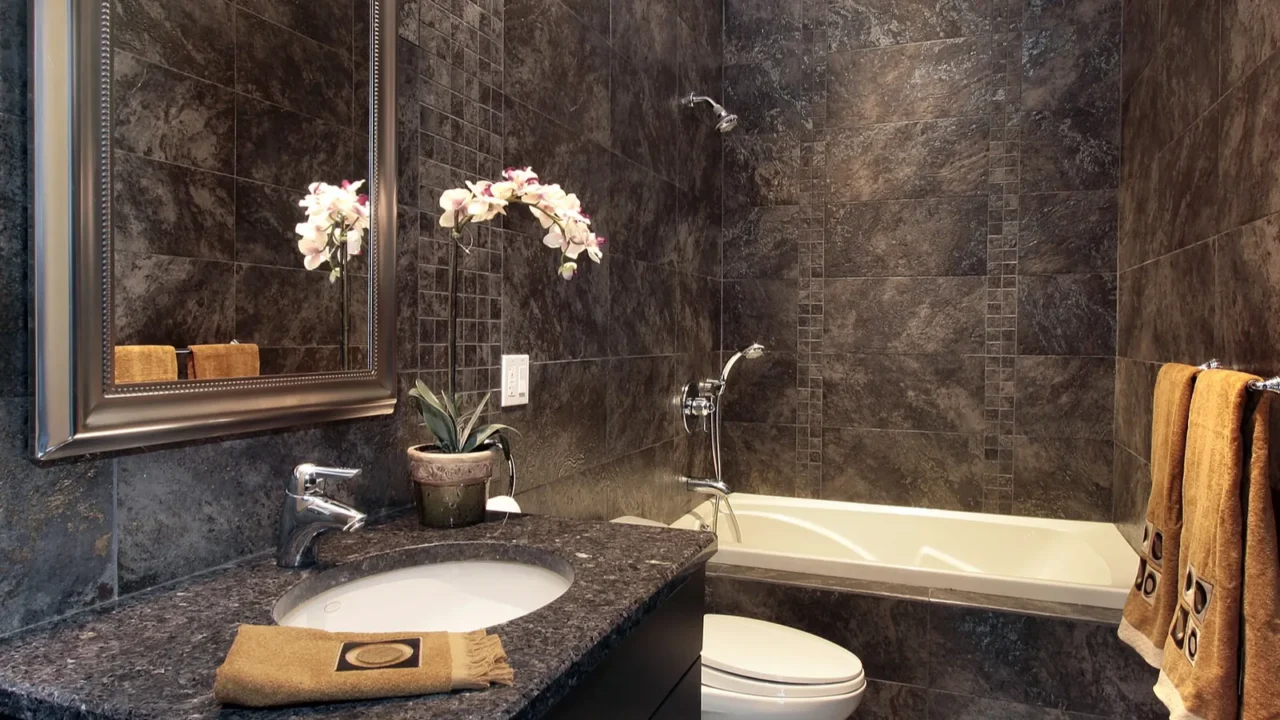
(309, 479)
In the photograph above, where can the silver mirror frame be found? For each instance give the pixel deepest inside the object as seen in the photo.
(76, 408)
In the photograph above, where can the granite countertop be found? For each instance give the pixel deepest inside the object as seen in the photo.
(153, 655)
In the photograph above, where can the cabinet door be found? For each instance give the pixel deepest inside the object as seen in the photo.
(685, 702)
(642, 670)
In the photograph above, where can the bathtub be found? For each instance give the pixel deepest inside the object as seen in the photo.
(1083, 563)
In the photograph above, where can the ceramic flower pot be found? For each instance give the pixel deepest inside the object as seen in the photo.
(450, 489)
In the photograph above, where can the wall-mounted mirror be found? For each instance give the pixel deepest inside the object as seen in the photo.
(214, 194)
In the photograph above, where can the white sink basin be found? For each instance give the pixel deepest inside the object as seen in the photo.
(452, 595)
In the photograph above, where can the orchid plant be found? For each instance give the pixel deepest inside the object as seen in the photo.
(337, 220)
(455, 432)
(558, 212)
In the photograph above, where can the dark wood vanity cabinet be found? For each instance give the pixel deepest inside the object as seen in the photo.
(655, 672)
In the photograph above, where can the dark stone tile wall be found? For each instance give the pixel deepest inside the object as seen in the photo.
(610, 349)
(75, 533)
(921, 224)
(1199, 209)
(590, 95)
(934, 660)
(224, 113)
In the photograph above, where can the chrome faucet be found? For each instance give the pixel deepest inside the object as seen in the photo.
(307, 513)
(702, 400)
(719, 493)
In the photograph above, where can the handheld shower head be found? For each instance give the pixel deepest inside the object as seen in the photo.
(725, 120)
(750, 352)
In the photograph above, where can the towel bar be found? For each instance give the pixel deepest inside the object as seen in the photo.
(187, 351)
(1270, 385)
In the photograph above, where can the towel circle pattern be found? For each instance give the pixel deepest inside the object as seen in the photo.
(380, 655)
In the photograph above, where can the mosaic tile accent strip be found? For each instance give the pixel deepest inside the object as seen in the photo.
(1004, 158)
(812, 190)
(459, 128)
(809, 389)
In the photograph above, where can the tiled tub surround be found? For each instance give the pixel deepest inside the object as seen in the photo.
(1199, 210)
(89, 665)
(944, 655)
(224, 113)
(589, 101)
(921, 224)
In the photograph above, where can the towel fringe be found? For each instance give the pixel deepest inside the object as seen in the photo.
(485, 661)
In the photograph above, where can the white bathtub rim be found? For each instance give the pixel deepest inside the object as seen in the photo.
(1109, 597)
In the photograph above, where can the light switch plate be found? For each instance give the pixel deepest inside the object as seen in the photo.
(515, 380)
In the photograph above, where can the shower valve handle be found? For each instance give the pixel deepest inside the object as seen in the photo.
(697, 406)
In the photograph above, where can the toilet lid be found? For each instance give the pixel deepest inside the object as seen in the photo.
(760, 650)
(741, 685)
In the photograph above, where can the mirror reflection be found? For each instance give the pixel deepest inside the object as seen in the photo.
(239, 221)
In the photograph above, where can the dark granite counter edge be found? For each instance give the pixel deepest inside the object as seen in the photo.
(23, 699)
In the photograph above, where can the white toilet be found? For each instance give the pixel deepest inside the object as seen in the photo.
(758, 670)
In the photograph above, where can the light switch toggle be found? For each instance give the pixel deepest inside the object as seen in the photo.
(515, 380)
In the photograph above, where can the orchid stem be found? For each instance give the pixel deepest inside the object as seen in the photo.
(453, 320)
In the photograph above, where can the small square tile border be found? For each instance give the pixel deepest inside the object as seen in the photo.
(1001, 317)
(460, 127)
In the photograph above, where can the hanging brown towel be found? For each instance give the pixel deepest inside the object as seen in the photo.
(234, 360)
(1227, 450)
(1260, 694)
(1154, 595)
(271, 666)
(145, 363)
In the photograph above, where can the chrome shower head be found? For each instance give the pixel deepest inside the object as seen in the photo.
(725, 120)
(751, 352)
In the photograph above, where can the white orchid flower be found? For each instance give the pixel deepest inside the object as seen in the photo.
(453, 203)
(522, 177)
(567, 227)
(484, 205)
(355, 241)
(594, 242)
(556, 239)
(315, 251)
(505, 191)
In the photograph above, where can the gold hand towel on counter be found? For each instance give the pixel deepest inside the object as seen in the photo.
(235, 360)
(269, 665)
(1154, 596)
(145, 364)
(1220, 575)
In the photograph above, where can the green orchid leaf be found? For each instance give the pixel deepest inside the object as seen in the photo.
(465, 435)
(421, 390)
(436, 417)
(441, 427)
(451, 408)
(482, 434)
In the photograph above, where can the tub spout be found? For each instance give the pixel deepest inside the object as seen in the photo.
(705, 486)
(719, 493)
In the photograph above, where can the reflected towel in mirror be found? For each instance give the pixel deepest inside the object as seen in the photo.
(234, 360)
(145, 364)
